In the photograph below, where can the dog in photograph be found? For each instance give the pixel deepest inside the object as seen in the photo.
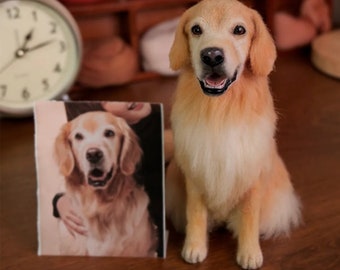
(226, 169)
(97, 153)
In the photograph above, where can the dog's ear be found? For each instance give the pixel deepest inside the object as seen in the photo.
(262, 51)
(63, 152)
(131, 152)
(179, 55)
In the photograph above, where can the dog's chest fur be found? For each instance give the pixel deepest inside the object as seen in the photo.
(222, 154)
(115, 223)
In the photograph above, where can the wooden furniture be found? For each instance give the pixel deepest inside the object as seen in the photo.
(308, 104)
(129, 19)
(326, 53)
(126, 18)
(268, 8)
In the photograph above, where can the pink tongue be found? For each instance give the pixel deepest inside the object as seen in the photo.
(214, 81)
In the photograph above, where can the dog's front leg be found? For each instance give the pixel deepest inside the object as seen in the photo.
(196, 245)
(249, 254)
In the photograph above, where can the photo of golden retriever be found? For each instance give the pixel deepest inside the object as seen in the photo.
(227, 169)
(97, 153)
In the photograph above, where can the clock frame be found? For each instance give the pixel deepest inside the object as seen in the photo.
(42, 53)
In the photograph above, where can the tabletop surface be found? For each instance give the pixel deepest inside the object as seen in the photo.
(308, 104)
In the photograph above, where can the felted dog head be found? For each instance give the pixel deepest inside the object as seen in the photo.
(220, 39)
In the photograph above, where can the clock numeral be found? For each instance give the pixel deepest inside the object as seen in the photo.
(45, 84)
(3, 91)
(57, 68)
(13, 13)
(53, 28)
(62, 46)
(25, 94)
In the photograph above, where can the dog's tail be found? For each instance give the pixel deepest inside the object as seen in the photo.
(175, 197)
(281, 208)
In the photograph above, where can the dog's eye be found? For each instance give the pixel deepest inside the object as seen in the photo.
(79, 136)
(239, 30)
(108, 133)
(196, 30)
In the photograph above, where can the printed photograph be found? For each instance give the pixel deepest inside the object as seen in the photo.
(100, 170)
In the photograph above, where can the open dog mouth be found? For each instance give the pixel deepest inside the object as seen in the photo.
(98, 178)
(215, 84)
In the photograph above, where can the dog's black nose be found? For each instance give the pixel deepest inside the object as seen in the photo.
(94, 155)
(212, 56)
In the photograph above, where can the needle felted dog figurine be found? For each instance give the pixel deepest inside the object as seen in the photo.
(226, 169)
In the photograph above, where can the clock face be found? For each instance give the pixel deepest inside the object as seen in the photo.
(39, 53)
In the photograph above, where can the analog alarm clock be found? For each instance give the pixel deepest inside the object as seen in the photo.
(40, 53)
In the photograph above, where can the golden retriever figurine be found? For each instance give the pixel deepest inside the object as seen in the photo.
(97, 153)
(227, 169)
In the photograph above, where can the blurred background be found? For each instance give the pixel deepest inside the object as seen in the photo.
(129, 40)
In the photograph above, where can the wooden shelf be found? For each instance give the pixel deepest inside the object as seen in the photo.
(105, 7)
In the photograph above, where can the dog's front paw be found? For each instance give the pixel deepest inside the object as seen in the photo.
(194, 252)
(251, 258)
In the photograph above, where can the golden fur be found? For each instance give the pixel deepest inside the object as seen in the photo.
(113, 208)
(227, 169)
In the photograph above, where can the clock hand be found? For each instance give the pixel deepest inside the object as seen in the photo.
(7, 65)
(20, 52)
(28, 37)
(17, 40)
(40, 45)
